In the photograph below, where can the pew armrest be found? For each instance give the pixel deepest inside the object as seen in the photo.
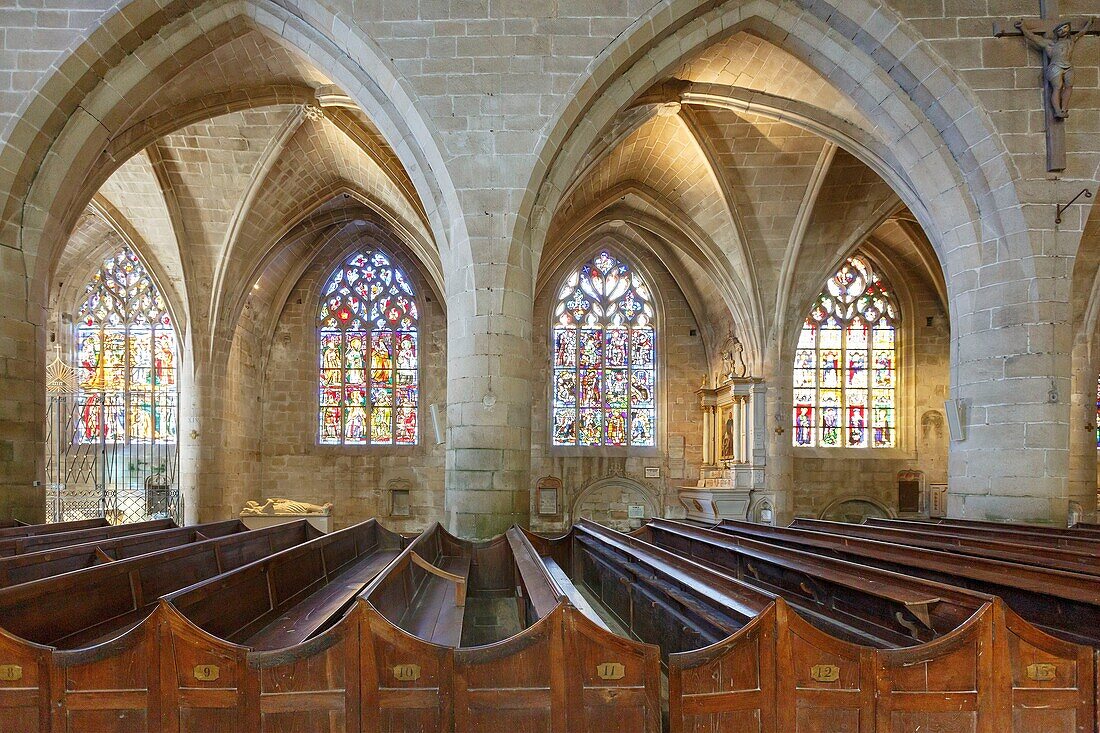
(458, 580)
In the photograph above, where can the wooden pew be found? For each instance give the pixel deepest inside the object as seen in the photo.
(286, 598)
(18, 529)
(424, 591)
(563, 672)
(87, 607)
(1049, 557)
(869, 605)
(1005, 533)
(87, 644)
(553, 556)
(1077, 531)
(659, 596)
(49, 540)
(537, 593)
(24, 568)
(1063, 604)
(780, 673)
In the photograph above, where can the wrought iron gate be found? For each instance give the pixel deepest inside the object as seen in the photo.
(124, 480)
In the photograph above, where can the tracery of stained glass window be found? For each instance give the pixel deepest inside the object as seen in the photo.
(369, 355)
(845, 368)
(604, 344)
(126, 357)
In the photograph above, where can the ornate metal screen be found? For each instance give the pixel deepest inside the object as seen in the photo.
(113, 419)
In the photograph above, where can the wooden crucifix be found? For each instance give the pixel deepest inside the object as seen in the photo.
(1055, 37)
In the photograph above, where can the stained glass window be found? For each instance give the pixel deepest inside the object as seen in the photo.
(845, 368)
(126, 357)
(369, 355)
(604, 351)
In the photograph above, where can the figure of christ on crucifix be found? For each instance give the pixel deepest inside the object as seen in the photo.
(1055, 37)
(1058, 51)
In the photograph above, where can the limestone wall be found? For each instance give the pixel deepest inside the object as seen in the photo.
(491, 109)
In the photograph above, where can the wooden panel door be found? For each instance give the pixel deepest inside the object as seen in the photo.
(1046, 684)
(728, 687)
(110, 688)
(823, 684)
(517, 685)
(614, 683)
(946, 684)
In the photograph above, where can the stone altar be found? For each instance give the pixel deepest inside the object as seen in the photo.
(731, 478)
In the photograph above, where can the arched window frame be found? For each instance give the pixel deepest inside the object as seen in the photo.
(375, 394)
(897, 300)
(653, 406)
(141, 388)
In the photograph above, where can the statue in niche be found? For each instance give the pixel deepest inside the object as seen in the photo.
(282, 507)
(1058, 50)
(733, 358)
(727, 439)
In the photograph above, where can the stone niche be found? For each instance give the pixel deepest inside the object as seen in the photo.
(617, 502)
(731, 477)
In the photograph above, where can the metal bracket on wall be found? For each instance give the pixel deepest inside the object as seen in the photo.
(1061, 209)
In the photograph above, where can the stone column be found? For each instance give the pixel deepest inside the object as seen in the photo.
(23, 400)
(746, 429)
(489, 373)
(739, 425)
(779, 474)
(1082, 431)
(22, 419)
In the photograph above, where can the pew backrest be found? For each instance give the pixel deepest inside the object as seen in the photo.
(24, 568)
(73, 608)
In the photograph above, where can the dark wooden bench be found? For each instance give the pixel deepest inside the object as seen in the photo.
(1077, 531)
(1064, 604)
(286, 598)
(861, 603)
(994, 549)
(86, 607)
(659, 596)
(424, 591)
(1004, 533)
(30, 566)
(18, 529)
(50, 540)
(537, 593)
(562, 587)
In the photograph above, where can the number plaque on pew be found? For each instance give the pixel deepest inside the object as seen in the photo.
(207, 672)
(825, 673)
(10, 672)
(407, 672)
(1042, 672)
(610, 671)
